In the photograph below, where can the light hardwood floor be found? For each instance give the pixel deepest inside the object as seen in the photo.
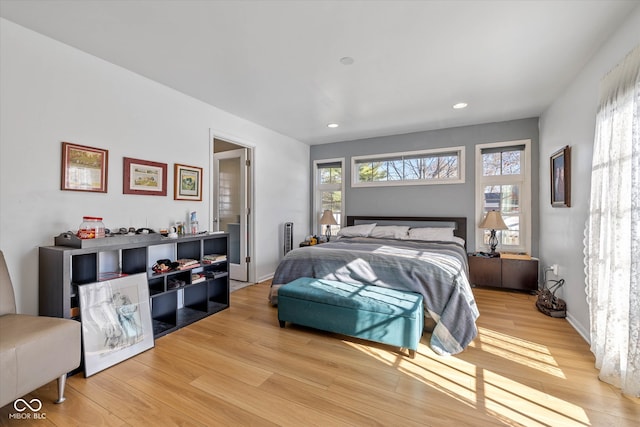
(239, 368)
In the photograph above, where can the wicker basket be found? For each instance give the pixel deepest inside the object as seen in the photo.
(549, 304)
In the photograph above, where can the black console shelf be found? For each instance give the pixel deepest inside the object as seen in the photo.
(178, 297)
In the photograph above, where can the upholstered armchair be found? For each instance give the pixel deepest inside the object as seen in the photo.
(34, 350)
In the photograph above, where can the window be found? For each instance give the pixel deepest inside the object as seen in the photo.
(438, 166)
(328, 190)
(503, 183)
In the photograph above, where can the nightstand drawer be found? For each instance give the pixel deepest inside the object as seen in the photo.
(507, 273)
(520, 274)
(485, 271)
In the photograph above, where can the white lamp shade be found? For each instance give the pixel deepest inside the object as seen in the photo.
(493, 221)
(327, 218)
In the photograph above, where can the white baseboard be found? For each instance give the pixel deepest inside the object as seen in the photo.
(586, 335)
(265, 278)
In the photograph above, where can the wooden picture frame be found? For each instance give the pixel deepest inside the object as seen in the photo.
(84, 168)
(116, 321)
(560, 168)
(144, 177)
(187, 182)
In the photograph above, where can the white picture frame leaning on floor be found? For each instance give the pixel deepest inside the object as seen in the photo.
(116, 321)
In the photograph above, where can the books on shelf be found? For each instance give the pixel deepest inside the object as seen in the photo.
(213, 258)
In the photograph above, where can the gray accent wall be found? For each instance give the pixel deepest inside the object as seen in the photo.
(433, 200)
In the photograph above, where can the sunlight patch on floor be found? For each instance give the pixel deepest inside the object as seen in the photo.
(484, 389)
(452, 381)
(517, 350)
(535, 407)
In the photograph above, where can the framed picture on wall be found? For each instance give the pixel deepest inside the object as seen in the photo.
(560, 167)
(144, 177)
(84, 168)
(188, 183)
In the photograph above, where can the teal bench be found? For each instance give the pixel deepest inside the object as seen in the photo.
(388, 316)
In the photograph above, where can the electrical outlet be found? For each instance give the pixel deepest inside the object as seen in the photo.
(554, 268)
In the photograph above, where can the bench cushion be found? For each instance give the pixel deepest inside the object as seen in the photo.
(379, 314)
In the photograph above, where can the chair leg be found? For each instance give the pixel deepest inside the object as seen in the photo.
(62, 380)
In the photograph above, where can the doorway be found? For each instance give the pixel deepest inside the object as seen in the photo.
(231, 210)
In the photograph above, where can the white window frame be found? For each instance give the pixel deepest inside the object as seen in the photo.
(318, 188)
(460, 150)
(524, 178)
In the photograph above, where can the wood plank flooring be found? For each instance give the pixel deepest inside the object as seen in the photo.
(239, 367)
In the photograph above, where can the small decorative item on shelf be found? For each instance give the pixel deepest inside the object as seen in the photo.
(180, 228)
(193, 223)
(164, 265)
(91, 228)
(172, 234)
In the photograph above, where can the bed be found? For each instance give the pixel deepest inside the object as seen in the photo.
(423, 255)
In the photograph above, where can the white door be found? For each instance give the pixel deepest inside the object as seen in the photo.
(230, 207)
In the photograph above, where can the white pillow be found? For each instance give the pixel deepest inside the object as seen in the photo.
(458, 240)
(356, 230)
(390, 232)
(431, 233)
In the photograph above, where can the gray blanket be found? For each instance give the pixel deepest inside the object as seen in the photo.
(437, 270)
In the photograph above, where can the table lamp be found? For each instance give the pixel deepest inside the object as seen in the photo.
(328, 220)
(493, 221)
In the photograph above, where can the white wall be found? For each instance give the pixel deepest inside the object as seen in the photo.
(570, 120)
(51, 92)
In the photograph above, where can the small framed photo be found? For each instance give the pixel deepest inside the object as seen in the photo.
(560, 166)
(116, 321)
(84, 168)
(188, 183)
(144, 177)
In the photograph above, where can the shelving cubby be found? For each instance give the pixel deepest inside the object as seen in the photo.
(62, 269)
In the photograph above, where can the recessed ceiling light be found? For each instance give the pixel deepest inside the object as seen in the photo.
(460, 105)
(347, 60)
(333, 125)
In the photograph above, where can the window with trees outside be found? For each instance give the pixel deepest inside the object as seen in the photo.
(328, 189)
(503, 183)
(436, 166)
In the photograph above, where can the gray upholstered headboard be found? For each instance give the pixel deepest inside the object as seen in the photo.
(459, 224)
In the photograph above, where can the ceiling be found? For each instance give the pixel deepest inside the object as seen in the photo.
(277, 63)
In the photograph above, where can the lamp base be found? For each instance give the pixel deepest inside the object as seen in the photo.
(493, 242)
(328, 233)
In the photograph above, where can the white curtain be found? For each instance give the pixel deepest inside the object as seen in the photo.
(612, 235)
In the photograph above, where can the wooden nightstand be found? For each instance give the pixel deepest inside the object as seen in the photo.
(504, 272)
